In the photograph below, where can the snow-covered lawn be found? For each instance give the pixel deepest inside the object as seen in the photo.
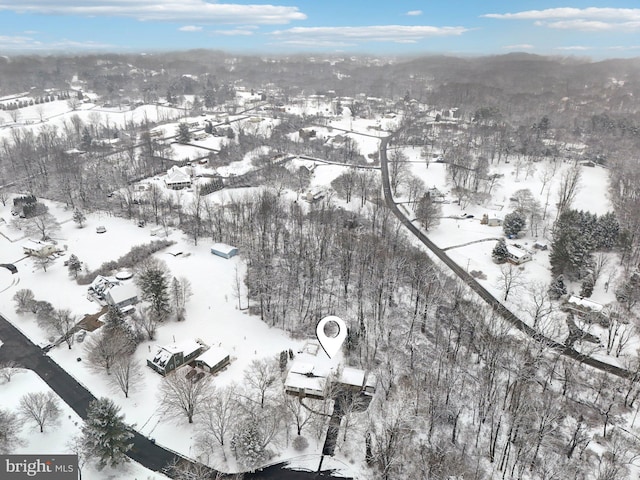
(55, 437)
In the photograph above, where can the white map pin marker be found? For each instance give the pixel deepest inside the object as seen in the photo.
(332, 337)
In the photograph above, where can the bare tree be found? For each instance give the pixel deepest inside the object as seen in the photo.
(105, 348)
(77, 446)
(147, 320)
(40, 408)
(568, 187)
(10, 427)
(181, 395)
(180, 293)
(62, 323)
(126, 373)
(218, 415)
(24, 299)
(510, 278)
(261, 377)
(540, 306)
(8, 369)
(45, 224)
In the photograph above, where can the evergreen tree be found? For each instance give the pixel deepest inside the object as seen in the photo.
(513, 223)
(74, 265)
(248, 445)
(557, 288)
(154, 285)
(105, 434)
(500, 254)
(587, 286)
(79, 217)
(86, 139)
(208, 128)
(184, 136)
(114, 317)
(606, 231)
(572, 244)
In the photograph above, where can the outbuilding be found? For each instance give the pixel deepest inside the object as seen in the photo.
(223, 250)
(213, 360)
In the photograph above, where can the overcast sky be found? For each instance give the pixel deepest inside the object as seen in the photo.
(607, 29)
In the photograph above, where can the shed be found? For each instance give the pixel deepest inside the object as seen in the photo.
(213, 360)
(223, 250)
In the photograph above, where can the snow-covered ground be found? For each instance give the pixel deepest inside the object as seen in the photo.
(55, 438)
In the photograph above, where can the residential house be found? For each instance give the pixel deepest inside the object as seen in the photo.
(223, 250)
(306, 380)
(213, 360)
(518, 255)
(177, 178)
(122, 296)
(588, 309)
(37, 248)
(357, 381)
(170, 357)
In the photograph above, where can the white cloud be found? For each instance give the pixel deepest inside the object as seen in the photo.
(190, 28)
(316, 43)
(234, 32)
(591, 25)
(592, 19)
(565, 12)
(198, 11)
(21, 43)
(520, 46)
(382, 33)
(575, 48)
(414, 13)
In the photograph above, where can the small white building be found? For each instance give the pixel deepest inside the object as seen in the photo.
(518, 255)
(177, 178)
(213, 360)
(223, 250)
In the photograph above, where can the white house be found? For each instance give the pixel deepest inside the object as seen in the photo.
(37, 248)
(518, 255)
(177, 178)
(224, 250)
(122, 296)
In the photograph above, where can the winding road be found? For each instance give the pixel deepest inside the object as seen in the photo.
(18, 348)
(493, 302)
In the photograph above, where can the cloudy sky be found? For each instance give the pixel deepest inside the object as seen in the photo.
(608, 29)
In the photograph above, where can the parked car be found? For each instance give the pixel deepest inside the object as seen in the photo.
(101, 229)
(80, 336)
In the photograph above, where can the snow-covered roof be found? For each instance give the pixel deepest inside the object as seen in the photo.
(516, 252)
(32, 244)
(585, 303)
(177, 175)
(213, 356)
(223, 248)
(352, 376)
(161, 357)
(187, 347)
(121, 293)
(303, 375)
(101, 283)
